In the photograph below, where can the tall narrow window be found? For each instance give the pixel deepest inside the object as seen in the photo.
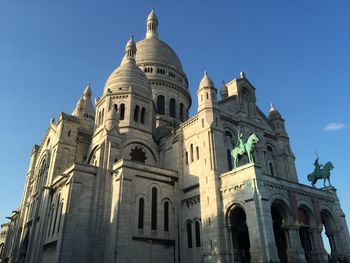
(143, 114)
(197, 152)
(52, 211)
(141, 213)
(229, 160)
(160, 104)
(189, 235)
(56, 214)
(59, 218)
(154, 209)
(181, 112)
(192, 158)
(172, 108)
(115, 107)
(103, 115)
(198, 234)
(166, 216)
(122, 111)
(99, 118)
(271, 169)
(186, 157)
(136, 113)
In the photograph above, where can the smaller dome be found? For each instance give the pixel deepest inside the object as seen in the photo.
(206, 82)
(128, 74)
(274, 113)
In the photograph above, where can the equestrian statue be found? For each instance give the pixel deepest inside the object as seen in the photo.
(244, 148)
(320, 172)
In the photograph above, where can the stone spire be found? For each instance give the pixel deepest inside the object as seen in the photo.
(130, 49)
(152, 25)
(223, 90)
(85, 108)
(274, 113)
(206, 82)
(206, 93)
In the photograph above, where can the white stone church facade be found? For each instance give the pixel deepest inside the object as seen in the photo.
(134, 179)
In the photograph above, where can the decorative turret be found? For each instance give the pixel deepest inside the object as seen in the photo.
(274, 113)
(130, 49)
(223, 90)
(85, 108)
(276, 118)
(206, 93)
(152, 25)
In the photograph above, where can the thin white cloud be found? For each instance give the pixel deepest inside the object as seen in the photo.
(334, 126)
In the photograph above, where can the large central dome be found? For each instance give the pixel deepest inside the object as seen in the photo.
(154, 50)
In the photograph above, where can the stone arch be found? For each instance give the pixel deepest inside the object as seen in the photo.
(91, 155)
(238, 231)
(331, 231)
(305, 218)
(281, 218)
(41, 170)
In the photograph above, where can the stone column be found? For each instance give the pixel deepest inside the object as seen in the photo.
(295, 252)
(318, 253)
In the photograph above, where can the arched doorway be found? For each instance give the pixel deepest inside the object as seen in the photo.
(279, 217)
(304, 232)
(239, 234)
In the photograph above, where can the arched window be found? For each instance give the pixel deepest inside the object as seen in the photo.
(122, 111)
(115, 107)
(166, 216)
(197, 152)
(245, 101)
(229, 139)
(172, 108)
(189, 235)
(181, 112)
(154, 209)
(99, 118)
(270, 160)
(141, 213)
(198, 234)
(229, 160)
(143, 114)
(136, 113)
(160, 104)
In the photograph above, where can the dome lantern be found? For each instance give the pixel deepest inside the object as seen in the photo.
(152, 25)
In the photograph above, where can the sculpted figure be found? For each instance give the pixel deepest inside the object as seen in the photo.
(244, 148)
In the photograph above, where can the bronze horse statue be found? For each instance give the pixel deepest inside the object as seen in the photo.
(246, 148)
(324, 174)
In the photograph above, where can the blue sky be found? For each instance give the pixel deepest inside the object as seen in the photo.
(296, 54)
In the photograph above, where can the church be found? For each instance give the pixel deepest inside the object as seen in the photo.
(133, 178)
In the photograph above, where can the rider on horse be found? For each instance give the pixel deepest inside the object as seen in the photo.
(318, 167)
(241, 142)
